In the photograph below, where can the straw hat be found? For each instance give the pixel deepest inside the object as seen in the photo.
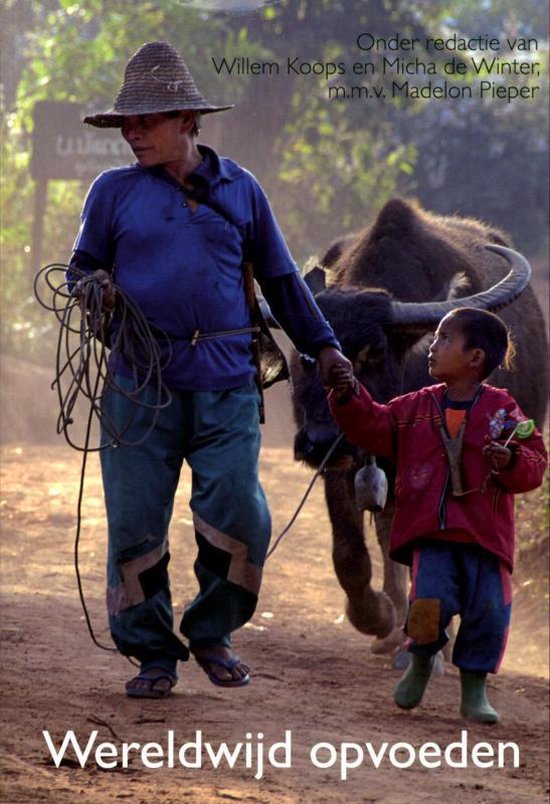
(156, 79)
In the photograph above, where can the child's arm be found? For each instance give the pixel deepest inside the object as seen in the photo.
(364, 421)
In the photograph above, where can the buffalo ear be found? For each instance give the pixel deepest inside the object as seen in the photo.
(315, 279)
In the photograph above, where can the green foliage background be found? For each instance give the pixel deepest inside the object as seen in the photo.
(327, 166)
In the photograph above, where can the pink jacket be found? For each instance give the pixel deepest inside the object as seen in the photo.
(406, 430)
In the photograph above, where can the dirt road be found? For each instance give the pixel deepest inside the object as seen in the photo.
(315, 680)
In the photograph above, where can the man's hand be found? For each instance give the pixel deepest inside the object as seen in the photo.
(101, 278)
(336, 370)
(107, 290)
(497, 456)
(343, 383)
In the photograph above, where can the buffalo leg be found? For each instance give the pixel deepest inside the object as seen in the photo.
(395, 575)
(369, 611)
(395, 582)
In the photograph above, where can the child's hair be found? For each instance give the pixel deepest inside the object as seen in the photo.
(485, 330)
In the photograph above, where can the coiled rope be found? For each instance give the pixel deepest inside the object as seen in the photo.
(81, 367)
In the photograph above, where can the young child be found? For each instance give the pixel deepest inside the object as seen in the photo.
(462, 449)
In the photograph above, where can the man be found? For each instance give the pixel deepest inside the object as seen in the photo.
(173, 231)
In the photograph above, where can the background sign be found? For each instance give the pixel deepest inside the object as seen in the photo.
(65, 148)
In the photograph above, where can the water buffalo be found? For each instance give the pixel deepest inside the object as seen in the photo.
(388, 287)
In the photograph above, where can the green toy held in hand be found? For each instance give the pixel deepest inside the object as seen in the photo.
(525, 429)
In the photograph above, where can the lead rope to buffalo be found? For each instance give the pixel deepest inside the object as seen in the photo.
(82, 369)
(317, 474)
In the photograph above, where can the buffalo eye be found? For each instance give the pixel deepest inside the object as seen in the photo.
(370, 356)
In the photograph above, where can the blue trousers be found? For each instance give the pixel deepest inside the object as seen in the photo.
(451, 578)
(218, 434)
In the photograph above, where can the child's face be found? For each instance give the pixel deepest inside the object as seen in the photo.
(448, 358)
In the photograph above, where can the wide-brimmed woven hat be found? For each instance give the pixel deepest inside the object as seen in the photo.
(156, 79)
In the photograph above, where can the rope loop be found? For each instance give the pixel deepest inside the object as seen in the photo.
(88, 331)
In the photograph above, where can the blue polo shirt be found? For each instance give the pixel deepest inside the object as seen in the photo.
(182, 265)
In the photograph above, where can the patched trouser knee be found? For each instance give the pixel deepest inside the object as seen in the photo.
(423, 620)
(226, 557)
(141, 578)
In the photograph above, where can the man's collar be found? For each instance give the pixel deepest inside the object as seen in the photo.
(208, 173)
(212, 169)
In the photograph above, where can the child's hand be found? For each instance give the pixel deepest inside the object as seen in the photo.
(342, 381)
(497, 456)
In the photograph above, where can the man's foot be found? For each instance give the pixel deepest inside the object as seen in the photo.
(474, 704)
(156, 682)
(222, 666)
(410, 689)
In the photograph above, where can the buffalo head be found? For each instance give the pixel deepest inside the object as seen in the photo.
(379, 335)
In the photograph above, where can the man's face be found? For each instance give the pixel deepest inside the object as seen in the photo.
(157, 139)
(448, 358)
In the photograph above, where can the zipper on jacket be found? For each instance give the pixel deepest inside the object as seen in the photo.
(442, 509)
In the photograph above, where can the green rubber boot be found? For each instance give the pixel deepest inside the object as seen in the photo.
(411, 687)
(474, 704)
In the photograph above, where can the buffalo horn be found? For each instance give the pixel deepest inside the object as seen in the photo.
(425, 315)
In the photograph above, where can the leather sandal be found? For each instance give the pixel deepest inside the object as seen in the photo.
(147, 686)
